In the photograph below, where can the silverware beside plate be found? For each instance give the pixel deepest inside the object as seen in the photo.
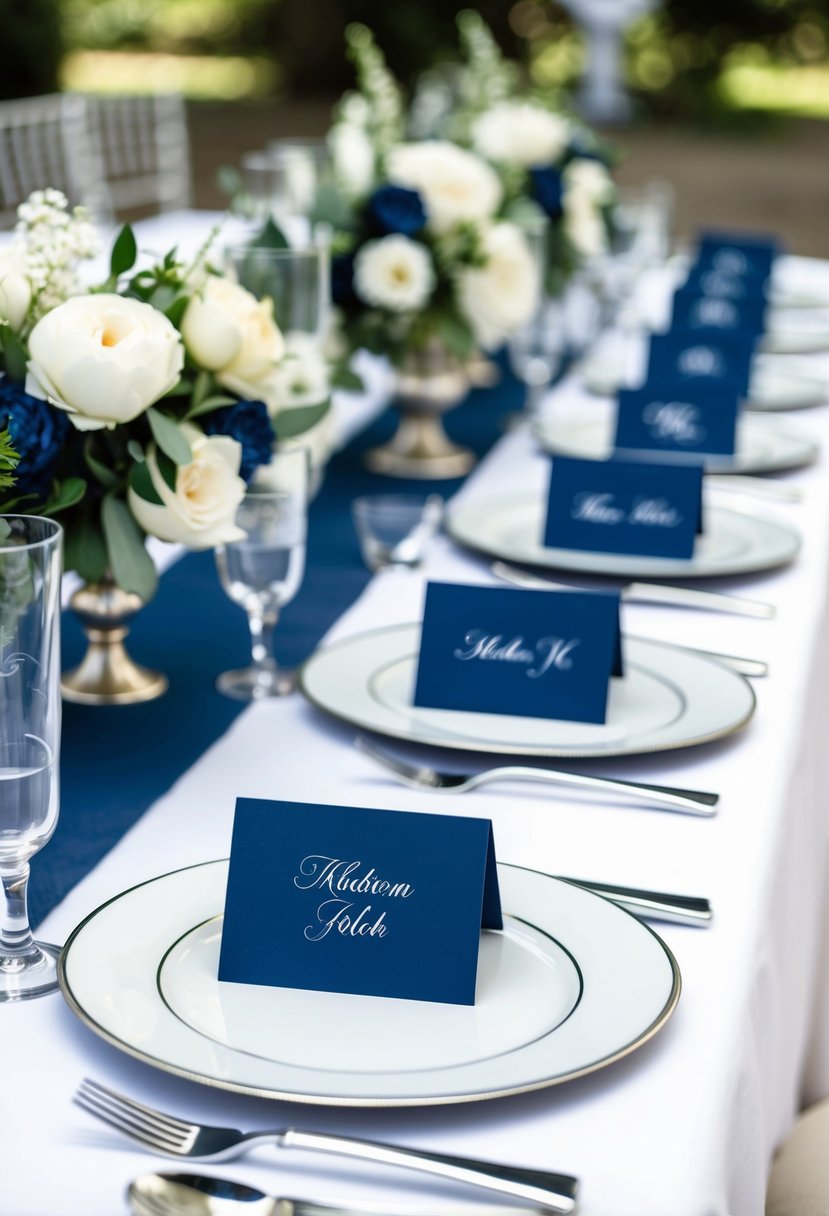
(649, 593)
(172, 1137)
(185, 1194)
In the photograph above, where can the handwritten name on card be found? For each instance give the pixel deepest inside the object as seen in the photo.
(391, 904)
(677, 358)
(693, 421)
(523, 653)
(624, 506)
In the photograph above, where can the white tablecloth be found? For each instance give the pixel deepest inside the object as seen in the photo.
(685, 1126)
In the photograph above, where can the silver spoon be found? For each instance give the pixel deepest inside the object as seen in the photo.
(184, 1194)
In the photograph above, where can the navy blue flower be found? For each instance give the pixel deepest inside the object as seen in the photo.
(247, 422)
(38, 432)
(548, 190)
(394, 209)
(342, 278)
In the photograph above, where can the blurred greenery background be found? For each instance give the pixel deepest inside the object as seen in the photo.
(728, 61)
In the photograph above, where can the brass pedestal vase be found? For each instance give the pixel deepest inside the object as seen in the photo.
(429, 383)
(107, 675)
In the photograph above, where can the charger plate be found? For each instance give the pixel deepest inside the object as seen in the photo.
(669, 698)
(734, 541)
(762, 446)
(572, 984)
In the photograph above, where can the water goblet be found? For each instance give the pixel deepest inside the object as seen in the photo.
(296, 279)
(30, 713)
(537, 347)
(263, 572)
(394, 529)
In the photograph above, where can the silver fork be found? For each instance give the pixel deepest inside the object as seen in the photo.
(174, 1137)
(668, 797)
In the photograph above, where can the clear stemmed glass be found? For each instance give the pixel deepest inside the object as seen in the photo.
(304, 165)
(264, 571)
(394, 529)
(536, 348)
(30, 711)
(298, 280)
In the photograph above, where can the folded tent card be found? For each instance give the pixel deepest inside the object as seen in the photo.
(350, 900)
(525, 653)
(678, 421)
(642, 508)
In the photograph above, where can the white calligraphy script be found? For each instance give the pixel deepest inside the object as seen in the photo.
(548, 654)
(675, 420)
(344, 878)
(601, 509)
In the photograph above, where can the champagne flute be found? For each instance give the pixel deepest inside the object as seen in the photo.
(30, 712)
(264, 571)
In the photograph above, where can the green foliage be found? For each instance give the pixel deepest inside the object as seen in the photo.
(8, 460)
(124, 253)
(13, 352)
(292, 422)
(131, 565)
(169, 437)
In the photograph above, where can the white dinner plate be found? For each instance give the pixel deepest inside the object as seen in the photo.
(733, 542)
(668, 698)
(762, 445)
(796, 332)
(571, 984)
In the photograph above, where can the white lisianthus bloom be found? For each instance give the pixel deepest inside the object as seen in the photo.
(201, 511)
(591, 179)
(103, 358)
(456, 186)
(15, 289)
(520, 133)
(394, 273)
(352, 156)
(584, 224)
(502, 295)
(302, 376)
(231, 333)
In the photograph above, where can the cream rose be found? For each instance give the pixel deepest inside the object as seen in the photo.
(456, 186)
(201, 511)
(394, 273)
(502, 295)
(103, 358)
(15, 290)
(589, 179)
(520, 133)
(584, 224)
(229, 332)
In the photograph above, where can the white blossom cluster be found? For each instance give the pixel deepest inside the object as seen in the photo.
(50, 241)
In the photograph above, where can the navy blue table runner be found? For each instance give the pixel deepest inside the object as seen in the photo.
(117, 761)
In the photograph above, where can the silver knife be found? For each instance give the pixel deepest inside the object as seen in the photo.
(693, 910)
(649, 593)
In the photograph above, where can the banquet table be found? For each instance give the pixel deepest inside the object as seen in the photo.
(686, 1125)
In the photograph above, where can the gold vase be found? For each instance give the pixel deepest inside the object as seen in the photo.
(107, 675)
(429, 383)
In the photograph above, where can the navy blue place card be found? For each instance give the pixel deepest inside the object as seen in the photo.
(696, 419)
(624, 506)
(704, 355)
(704, 279)
(737, 253)
(343, 899)
(534, 654)
(695, 311)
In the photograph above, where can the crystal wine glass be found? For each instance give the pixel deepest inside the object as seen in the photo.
(30, 711)
(537, 347)
(264, 571)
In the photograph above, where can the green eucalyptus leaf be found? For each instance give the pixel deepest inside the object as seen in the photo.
(271, 236)
(292, 422)
(124, 252)
(215, 402)
(104, 475)
(345, 378)
(85, 550)
(135, 450)
(14, 353)
(176, 309)
(169, 437)
(66, 494)
(142, 483)
(130, 563)
(168, 469)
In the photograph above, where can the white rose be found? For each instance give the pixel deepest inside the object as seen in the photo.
(590, 179)
(456, 186)
(302, 376)
(394, 273)
(15, 290)
(103, 358)
(520, 133)
(352, 156)
(229, 332)
(584, 224)
(502, 295)
(201, 511)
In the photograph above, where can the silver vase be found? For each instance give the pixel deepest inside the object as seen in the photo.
(107, 675)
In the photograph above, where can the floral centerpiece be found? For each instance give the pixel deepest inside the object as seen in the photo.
(428, 265)
(140, 408)
(549, 163)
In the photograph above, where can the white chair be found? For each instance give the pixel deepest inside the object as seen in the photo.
(144, 148)
(799, 1181)
(44, 141)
